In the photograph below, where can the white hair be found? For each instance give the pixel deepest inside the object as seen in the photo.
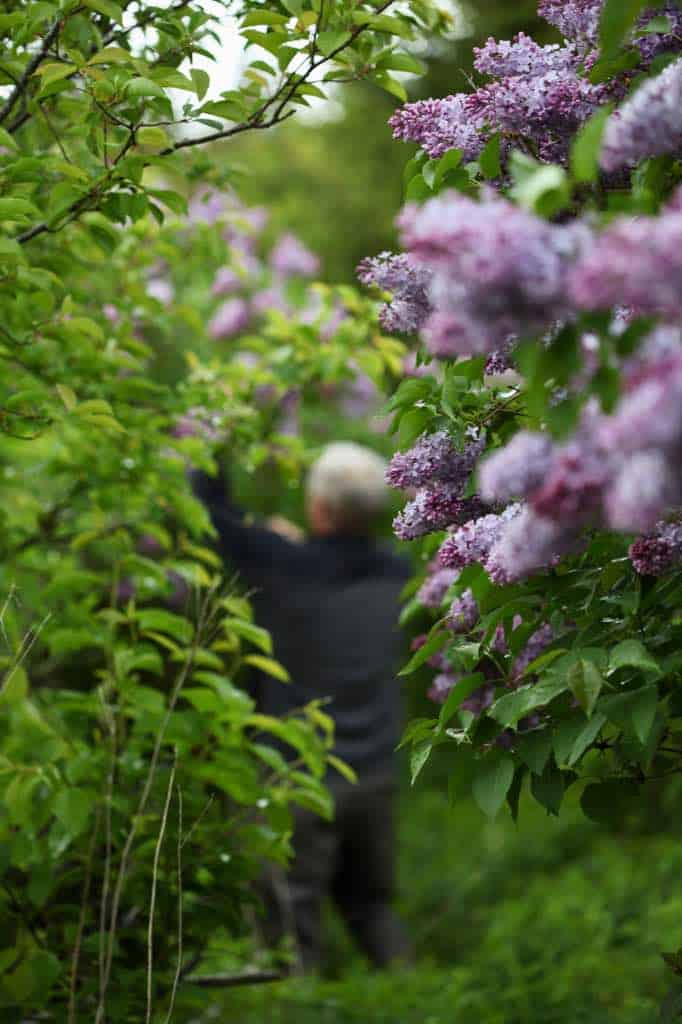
(350, 479)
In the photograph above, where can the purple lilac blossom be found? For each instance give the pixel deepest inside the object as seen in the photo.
(526, 545)
(517, 469)
(463, 614)
(161, 289)
(644, 488)
(659, 551)
(434, 507)
(650, 414)
(225, 282)
(635, 263)
(577, 20)
(409, 307)
(573, 483)
(435, 587)
(537, 643)
(206, 207)
(267, 299)
(231, 318)
(653, 44)
(290, 257)
(437, 125)
(441, 686)
(498, 270)
(479, 700)
(648, 124)
(434, 457)
(471, 542)
(111, 313)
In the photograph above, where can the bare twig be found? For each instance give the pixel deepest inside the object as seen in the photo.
(26, 645)
(232, 980)
(106, 880)
(142, 804)
(75, 956)
(155, 877)
(178, 969)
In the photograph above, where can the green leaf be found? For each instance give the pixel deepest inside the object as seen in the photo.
(112, 55)
(632, 653)
(586, 146)
(342, 768)
(201, 81)
(548, 789)
(585, 683)
(17, 209)
(72, 808)
(586, 737)
(617, 18)
(392, 85)
(269, 666)
(138, 88)
(460, 691)
(7, 140)
(490, 158)
(412, 425)
(402, 62)
(545, 190)
(492, 783)
(534, 749)
(509, 709)
(450, 161)
(419, 755)
(263, 17)
(152, 136)
(431, 646)
(249, 631)
(107, 7)
(609, 802)
(331, 40)
(159, 620)
(53, 72)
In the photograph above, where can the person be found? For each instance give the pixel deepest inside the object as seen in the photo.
(331, 604)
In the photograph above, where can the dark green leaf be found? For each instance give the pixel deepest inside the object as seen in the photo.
(586, 146)
(492, 782)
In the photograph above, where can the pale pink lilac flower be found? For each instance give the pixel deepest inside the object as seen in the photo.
(229, 319)
(290, 257)
(225, 282)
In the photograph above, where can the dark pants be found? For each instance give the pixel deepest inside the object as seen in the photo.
(350, 859)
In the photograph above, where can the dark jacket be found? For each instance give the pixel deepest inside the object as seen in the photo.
(331, 605)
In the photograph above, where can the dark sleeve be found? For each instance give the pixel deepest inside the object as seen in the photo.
(246, 547)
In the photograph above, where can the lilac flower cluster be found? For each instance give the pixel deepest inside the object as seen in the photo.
(434, 457)
(463, 614)
(635, 263)
(409, 307)
(434, 507)
(435, 587)
(290, 257)
(659, 551)
(537, 643)
(473, 541)
(437, 125)
(496, 270)
(577, 20)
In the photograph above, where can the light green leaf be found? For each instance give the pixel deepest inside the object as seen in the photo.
(419, 755)
(509, 709)
(331, 40)
(256, 635)
(585, 682)
(632, 653)
(161, 621)
(107, 7)
(617, 18)
(269, 666)
(342, 768)
(586, 737)
(586, 146)
(492, 783)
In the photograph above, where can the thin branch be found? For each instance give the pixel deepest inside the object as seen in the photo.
(24, 650)
(75, 956)
(178, 969)
(232, 980)
(106, 880)
(155, 877)
(144, 796)
(34, 63)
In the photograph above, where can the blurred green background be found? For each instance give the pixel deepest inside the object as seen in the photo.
(551, 921)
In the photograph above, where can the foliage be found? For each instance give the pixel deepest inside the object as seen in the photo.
(548, 920)
(141, 789)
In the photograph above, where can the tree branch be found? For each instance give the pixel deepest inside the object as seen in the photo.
(34, 63)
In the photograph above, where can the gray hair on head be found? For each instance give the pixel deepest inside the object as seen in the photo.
(350, 480)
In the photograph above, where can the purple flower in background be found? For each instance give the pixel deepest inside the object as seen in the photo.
(653, 44)
(111, 313)
(410, 368)
(225, 282)
(479, 700)
(433, 457)
(577, 20)
(267, 299)
(517, 469)
(497, 270)
(573, 483)
(441, 686)
(435, 587)
(359, 395)
(206, 207)
(231, 318)
(125, 591)
(537, 643)
(648, 124)
(409, 308)
(161, 289)
(655, 553)
(649, 415)
(437, 125)
(433, 508)
(289, 410)
(197, 422)
(291, 257)
(471, 542)
(150, 546)
(178, 597)
(463, 614)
